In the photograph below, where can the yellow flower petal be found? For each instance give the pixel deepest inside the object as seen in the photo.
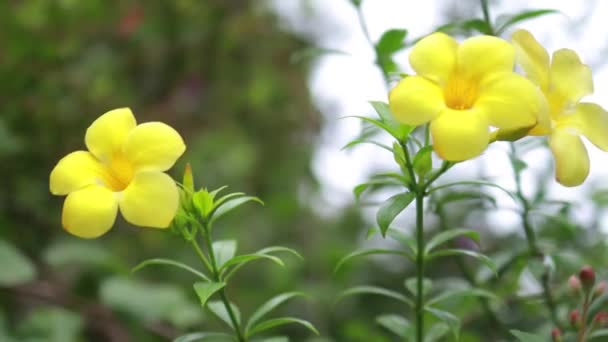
(591, 120)
(459, 135)
(74, 172)
(571, 158)
(151, 200)
(153, 146)
(481, 57)
(533, 58)
(107, 134)
(510, 102)
(89, 212)
(416, 100)
(570, 79)
(434, 57)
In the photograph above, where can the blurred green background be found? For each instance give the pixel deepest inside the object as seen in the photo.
(218, 71)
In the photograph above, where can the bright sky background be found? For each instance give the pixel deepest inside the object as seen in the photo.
(343, 85)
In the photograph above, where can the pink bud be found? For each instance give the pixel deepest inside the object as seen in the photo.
(600, 288)
(587, 277)
(575, 318)
(556, 335)
(574, 283)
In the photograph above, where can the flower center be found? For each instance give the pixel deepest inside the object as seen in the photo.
(460, 93)
(119, 173)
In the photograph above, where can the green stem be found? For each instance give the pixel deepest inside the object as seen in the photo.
(420, 266)
(533, 249)
(368, 37)
(216, 278)
(486, 16)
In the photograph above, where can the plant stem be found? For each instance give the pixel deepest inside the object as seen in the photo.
(533, 249)
(582, 333)
(486, 16)
(420, 265)
(216, 278)
(368, 37)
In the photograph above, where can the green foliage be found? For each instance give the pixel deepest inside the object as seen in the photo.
(391, 208)
(16, 267)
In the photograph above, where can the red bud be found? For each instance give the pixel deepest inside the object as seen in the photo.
(556, 335)
(574, 283)
(575, 318)
(587, 277)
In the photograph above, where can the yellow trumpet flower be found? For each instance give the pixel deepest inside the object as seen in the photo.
(123, 168)
(463, 90)
(564, 80)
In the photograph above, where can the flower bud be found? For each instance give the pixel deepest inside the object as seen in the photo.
(574, 283)
(556, 335)
(587, 277)
(600, 288)
(601, 319)
(575, 318)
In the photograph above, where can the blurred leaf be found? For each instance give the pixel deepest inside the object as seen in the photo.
(448, 235)
(240, 260)
(356, 142)
(423, 163)
(203, 202)
(390, 42)
(379, 181)
(204, 290)
(369, 251)
(169, 262)
(527, 337)
(465, 27)
(268, 306)
(272, 339)
(231, 204)
(204, 336)
(78, 252)
(374, 290)
(224, 250)
(52, 324)
(398, 235)
(312, 53)
(357, 3)
(398, 130)
(218, 309)
(457, 196)
(436, 332)
(396, 324)
(459, 293)
(391, 208)
(465, 252)
(598, 333)
(523, 16)
(452, 321)
(16, 267)
(519, 165)
(276, 322)
(412, 285)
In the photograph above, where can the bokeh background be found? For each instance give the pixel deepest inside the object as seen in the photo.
(259, 110)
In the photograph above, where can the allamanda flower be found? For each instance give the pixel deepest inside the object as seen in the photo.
(122, 169)
(462, 90)
(564, 80)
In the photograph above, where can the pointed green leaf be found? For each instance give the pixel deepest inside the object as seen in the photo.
(390, 42)
(522, 16)
(396, 324)
(369, 251)
(365, 141)
(204, 290)
(169, 262)
(391, 208)
(223, 251)
(374, 290)
(412, 285)
(466, 26)
(459, 293)
(203, 202)
(527, 337)
(465, 252)
(270, 305)
(204, 336)
(452, 321)
(448, 235)
(272, 339)
(232, 203)
(356, 3)
(280, 249)
(311, 53)
(16, 267)
(396, 129)
(423, 161)
(436, 332)
(276, 322)
(240, 260)
(598, 333)
(218, 309)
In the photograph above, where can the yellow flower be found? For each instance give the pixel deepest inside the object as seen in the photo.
(462, 90)
(564, 80)
(122, 169)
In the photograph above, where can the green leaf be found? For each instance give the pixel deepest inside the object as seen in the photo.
(423, 162)
(390, 42)
(223, 250)
(311, 53)
(448, 235)
(365, 141)
(240, 260)
(527, 337)
(270, 305)
(78, 252)
(412, 285)
(436, 332)
(356, 3)
(203, 202)
(452, 321)
(263, 253)
(391, 208)
(169, 262)
(49, 324)
(465, 252)
(276, 322)
(459, 293)
(228, 205)
(272, 339)
(398, 235)
(16, 267)
(465, 27)
(280, 249)
(374, 290)
(478, 183)
(203, 336)
(598, 333)
(457, 196)
(218, 309)
(522, 16)
(369, 251)
(396, 324)
(204, 290)
(397, 130)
